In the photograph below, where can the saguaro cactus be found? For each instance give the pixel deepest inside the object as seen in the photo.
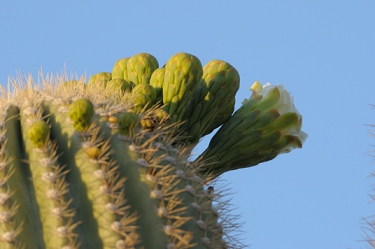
(107, 164)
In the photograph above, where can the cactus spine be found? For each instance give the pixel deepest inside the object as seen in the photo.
(107, 164)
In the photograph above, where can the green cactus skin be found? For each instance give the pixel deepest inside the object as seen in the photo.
(108, 166)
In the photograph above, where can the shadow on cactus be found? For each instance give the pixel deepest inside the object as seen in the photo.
(108, 164)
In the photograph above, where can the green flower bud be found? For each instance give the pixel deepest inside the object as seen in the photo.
(145, 89)
(156, 81)
(161, 115)
(266, 125)
(100, 80)
(81, 112)
(148, 122)
(38, 133)
(119, 69)
(212, 101)
(182, 74)
(141, 102)
(127, 123)
(93, 152)
(140, 68)
(118, 85)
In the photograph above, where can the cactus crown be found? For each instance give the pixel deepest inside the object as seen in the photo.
(108, 164)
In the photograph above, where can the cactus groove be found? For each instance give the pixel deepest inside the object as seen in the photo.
(108, 164)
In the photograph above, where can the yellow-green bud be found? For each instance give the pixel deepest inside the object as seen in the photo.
(127, 123)
(38, 133)
(81, 112)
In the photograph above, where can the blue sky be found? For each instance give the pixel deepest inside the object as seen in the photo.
(322, 51)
